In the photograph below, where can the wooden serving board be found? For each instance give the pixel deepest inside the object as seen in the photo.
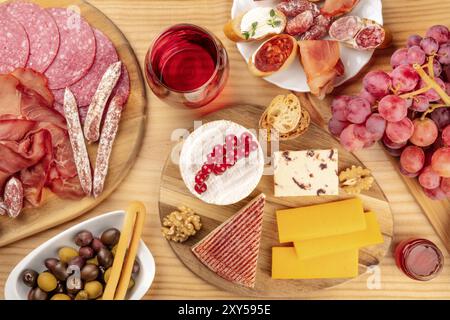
(55, 211)
(437, 212)
(174, 193)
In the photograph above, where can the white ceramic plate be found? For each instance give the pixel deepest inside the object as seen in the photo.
(294, 77)
(16, 290)
(238, 181)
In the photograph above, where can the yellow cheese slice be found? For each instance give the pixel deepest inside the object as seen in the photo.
(286, 265)
(319, 221)
(312, 248)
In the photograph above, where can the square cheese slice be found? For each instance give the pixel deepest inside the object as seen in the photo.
(320, 221)
(308, 249)
(306, 173)
(286, 265)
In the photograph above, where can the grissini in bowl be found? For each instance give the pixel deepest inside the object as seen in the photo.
(256, 24)
(15, 289)
(274, 55)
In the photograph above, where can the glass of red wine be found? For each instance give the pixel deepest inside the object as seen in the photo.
(187, 65)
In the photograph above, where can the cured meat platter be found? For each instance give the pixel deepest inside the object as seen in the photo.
(174, 193)
(98, 44)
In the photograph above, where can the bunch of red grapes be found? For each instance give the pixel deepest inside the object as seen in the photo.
(407, 109)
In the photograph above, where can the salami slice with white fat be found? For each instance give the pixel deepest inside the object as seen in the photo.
(122, 89)
(13, 197)
(370, 37)
(100, 100)
(85, 88)
(76, 52)
(346, 28)
(42, 33)
(318, 30)
(107, 138)
(14, 44)
(80, 153)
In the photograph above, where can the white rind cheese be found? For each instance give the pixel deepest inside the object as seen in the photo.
(260, 16)
(306, 173)
(237, 182)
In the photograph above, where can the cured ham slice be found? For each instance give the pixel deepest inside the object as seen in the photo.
(335, 8)
(232, 249)
(322, 64)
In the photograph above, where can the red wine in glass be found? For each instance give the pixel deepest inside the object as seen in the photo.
(187, 65)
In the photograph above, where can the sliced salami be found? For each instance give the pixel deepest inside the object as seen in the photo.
(371, 37)
(76, 52)
(15, 47)
(318, 30)
(345, 28)
(41, 30)
(122, 89)
(84, 89)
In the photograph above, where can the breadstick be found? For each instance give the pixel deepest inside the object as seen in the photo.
(127, 269)
(127, 229)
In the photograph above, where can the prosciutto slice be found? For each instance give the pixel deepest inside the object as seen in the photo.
(34, 141)
(335, 8)
(322, 64)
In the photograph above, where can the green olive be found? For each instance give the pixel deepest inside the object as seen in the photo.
(94, 289)
(47, 282)
(107, 275)
(93, 261)
(131, 284)
(110, 237)
(90, 272)
(37, 294)
(82, 295)
(114, 250)
(66, 254)
(60, 296)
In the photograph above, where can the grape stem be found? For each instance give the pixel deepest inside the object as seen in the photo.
(431, 109)
(432, 84)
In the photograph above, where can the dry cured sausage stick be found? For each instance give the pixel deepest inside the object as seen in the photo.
(80, 153)
(99, 101)
(107, 138)
(13, 197)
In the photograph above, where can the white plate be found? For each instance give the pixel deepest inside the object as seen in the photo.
(237, 182)
(16, 290)
(294, 77)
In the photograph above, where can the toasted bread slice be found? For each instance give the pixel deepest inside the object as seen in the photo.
(298, 131)
(284, 113)
(269, 71)
(259, 29)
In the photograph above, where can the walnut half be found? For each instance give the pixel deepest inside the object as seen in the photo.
(179, 225)
(356, 179)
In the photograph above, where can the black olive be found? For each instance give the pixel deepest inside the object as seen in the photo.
(110, 237)
(37, 294)
(51, 263)
(29, 277)
(86, 252)
(136, 267)
(105, 258)
(84, 238)
(97, 244)
(60, 271)
(60, 288)
(89, 272)
(77, 261)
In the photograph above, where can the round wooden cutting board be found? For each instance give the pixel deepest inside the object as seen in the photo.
(55, 211)
(174, 193)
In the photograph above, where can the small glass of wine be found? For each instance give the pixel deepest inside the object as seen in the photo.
(187, 65)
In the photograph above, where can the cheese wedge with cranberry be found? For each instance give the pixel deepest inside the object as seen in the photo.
(287, 265)
(308, 249)
(319, 221)
(231, 250)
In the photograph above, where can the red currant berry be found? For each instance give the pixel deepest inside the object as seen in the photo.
(200, 178)
(220, 169)
(254, 146)
(210, 159)
(207, 169)
(201, 188)
(218, 151)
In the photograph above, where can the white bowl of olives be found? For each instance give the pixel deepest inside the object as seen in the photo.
(74, 264)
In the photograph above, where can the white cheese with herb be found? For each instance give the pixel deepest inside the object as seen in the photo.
(306, 173)
(261, 21)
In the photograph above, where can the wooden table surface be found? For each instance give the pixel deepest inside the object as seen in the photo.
(141, 20)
